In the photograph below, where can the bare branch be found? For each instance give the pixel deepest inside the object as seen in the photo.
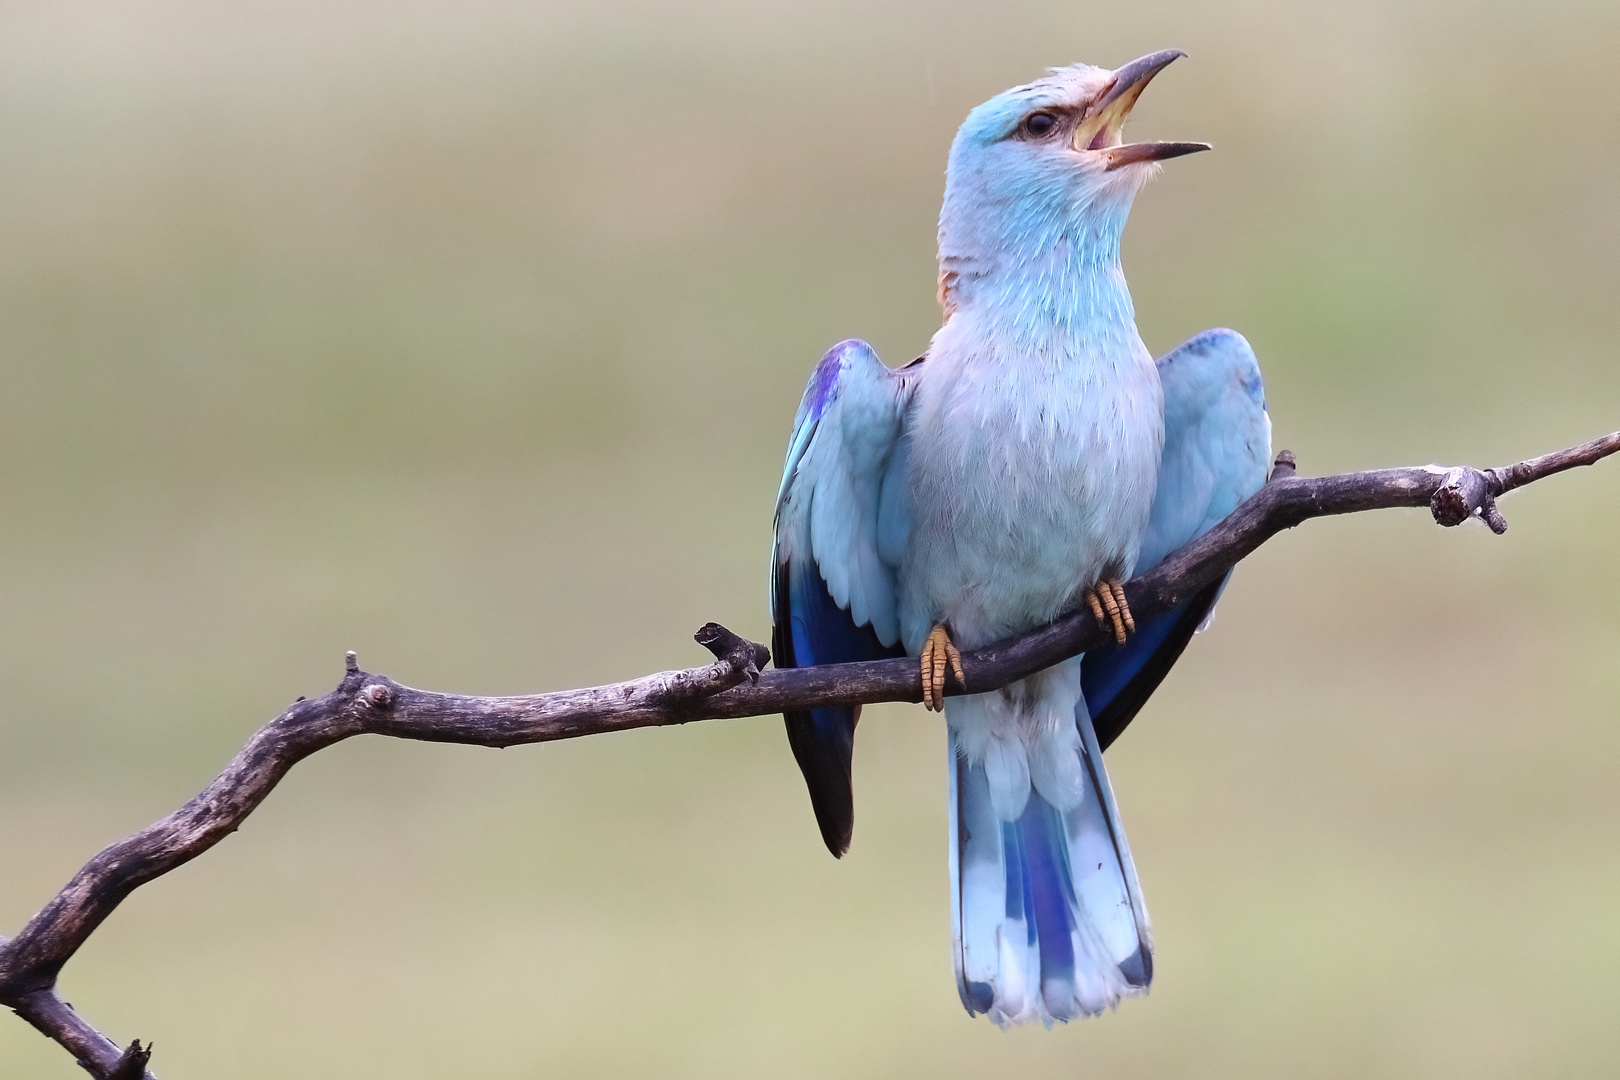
(56, 1019)
(732, 686)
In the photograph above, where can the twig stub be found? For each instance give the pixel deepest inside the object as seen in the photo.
(132, 1062)
(747, 657)
(1463, 493)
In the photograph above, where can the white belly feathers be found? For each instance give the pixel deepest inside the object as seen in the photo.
(1028, 479)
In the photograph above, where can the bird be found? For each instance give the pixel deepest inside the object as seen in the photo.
(1034, 458)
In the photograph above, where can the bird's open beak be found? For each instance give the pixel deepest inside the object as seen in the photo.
(1099, 130)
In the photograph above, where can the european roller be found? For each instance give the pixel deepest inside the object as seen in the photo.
(1032, 460)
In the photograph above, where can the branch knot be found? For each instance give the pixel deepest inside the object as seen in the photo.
(736, 660)
(740, 654)
(1465, 492)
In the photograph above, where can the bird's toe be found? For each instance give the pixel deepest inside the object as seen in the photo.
(1106, 599)
(938, 655)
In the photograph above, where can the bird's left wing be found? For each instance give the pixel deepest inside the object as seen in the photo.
(840, 525)
(1217, 452)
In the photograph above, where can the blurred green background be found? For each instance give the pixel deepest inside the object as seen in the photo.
(468, 337)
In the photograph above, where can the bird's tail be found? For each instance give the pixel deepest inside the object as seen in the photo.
(1046, 908)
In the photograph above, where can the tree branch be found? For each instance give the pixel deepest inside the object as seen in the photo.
(732, 686)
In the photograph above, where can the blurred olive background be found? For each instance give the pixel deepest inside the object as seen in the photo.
(469, 336)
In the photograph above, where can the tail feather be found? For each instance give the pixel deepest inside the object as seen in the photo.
(1046, 908)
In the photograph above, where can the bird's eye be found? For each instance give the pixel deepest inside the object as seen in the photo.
(1040, 125)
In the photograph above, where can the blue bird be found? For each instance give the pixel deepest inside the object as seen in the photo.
(1032, 460)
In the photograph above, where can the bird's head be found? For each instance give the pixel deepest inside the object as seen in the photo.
(1043, 169)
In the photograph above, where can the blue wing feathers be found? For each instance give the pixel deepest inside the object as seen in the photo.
(833, 594)
(1217, 452)
(817, 631)
(1217, 447)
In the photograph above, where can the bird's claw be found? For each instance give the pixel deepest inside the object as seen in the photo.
(937, 652)
(1107, 602)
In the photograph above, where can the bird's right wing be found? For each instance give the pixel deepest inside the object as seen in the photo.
(838, 538)
(1217, 452)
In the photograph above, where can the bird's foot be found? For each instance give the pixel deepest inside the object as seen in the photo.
(1107, 602)
(938, 651)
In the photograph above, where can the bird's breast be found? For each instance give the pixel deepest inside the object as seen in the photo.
(1029, 477)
